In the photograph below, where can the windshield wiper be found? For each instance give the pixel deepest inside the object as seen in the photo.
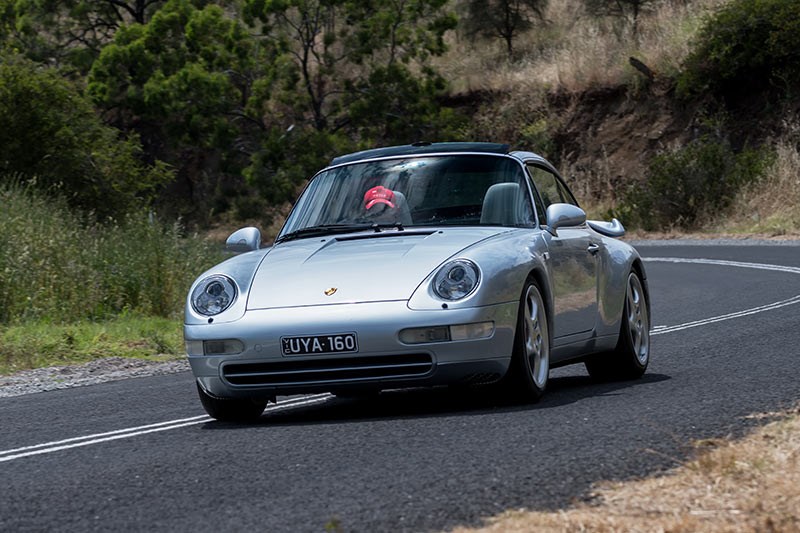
(323, 229)
(333, 229)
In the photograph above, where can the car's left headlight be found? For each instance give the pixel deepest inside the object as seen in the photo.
(213, 295)
(456, 280)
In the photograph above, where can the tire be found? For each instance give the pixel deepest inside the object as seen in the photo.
(530, 362)
(231, 409)
(631, 356)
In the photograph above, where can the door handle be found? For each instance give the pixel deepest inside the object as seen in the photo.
(593, 248)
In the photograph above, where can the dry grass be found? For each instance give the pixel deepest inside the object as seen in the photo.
(743, 486)
(574, 51)
(771, 206)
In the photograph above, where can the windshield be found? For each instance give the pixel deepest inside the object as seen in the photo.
(453, 190)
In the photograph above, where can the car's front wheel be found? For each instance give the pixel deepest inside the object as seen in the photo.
(530, 362)
(231, 409)
(631, 356)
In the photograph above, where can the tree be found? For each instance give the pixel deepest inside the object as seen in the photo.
(69, 32)
(349, 74)
(505, 19)
(51, 137)
(337, 53)
(745, 51)
(321, 77)
(185, 82)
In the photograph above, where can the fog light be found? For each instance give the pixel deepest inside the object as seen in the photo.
(460, 332)
(464, 332)
(223, 347)
(194, 348)
(423, 335)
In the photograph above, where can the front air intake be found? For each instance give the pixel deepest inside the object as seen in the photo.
(325, 371)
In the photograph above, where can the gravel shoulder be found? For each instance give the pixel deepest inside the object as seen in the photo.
(91, 373)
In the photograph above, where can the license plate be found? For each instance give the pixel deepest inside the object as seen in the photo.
(319, 344)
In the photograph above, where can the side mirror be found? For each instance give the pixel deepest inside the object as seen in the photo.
(244, 240)
(564, 215)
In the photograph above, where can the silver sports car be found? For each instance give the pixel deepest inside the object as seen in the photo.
(420, 265)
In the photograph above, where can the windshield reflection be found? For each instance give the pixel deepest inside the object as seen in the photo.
(453, 190)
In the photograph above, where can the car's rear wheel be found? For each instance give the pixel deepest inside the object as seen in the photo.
(530, 362)
(231, 409)
(631, 356)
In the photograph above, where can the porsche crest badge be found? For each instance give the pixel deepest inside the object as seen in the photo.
(331, 291)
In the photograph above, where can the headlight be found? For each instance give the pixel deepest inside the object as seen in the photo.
(213, 295)
(456, 280)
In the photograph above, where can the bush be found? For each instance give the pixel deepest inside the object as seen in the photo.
(687, 185)
(748, 45)
(55, 266)
(51, 136)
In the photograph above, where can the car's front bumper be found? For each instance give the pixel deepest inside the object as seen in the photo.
(382, 361)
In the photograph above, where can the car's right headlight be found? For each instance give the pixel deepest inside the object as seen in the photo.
(213, 295)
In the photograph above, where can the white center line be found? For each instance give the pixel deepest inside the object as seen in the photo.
(658, 330)
(97, 438)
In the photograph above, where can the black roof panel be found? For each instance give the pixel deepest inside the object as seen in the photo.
(421, 148)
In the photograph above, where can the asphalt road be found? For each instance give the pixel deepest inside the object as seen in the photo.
(140, 455)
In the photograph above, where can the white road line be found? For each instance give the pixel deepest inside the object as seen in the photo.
(739, 314)
(202, 418)
(658, 330)
(722, 262)
(66, 444)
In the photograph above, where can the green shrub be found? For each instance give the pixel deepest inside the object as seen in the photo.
(51, 136)
(538, 134)
(684, 186)
(58, 267)
(747, 45)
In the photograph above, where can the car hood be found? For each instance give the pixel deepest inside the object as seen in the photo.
(363, 267)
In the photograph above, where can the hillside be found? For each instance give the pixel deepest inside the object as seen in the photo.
(612, 109)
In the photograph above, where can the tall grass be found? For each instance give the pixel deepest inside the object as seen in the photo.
(772, 205)
(572, 50)
(56, 267)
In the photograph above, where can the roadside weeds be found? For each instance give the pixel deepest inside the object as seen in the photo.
(747, 485)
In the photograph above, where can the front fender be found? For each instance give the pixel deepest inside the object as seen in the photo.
(617, 261)
(505, 262)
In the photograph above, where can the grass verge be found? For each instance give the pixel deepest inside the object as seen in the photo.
(40, 344)
(747, 485)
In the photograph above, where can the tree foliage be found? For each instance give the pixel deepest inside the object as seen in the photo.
(51, 135)
(747, 47)
(69, 32)
(504, 19)
(692, 183)
(348, 74)
(338, 53)
(186, 82)
(266, 90)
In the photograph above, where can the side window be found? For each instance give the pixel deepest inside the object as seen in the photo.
(566, 196)
(540, 208)
(550, 191)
